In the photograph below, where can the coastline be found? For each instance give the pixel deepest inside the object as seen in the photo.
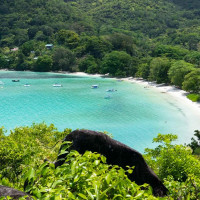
(170, 89)
(177, 94)
(192, 108)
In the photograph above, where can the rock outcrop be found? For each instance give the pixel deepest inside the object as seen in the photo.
(116, 154)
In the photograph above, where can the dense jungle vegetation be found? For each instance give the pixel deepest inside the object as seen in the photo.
(154, 39)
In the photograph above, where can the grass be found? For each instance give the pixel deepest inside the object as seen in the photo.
(194, 97)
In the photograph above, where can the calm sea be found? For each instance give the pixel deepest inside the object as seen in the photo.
(134, 115)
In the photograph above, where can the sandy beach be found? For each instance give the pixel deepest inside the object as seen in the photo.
(170, 90)
(178, 94)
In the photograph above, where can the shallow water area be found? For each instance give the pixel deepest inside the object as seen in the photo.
(133, 114)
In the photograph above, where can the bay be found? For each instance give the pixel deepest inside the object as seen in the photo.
(132, 114)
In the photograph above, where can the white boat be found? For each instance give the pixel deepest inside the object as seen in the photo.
(27, 85)
(57, 85)
(94, 86)
(107, 97)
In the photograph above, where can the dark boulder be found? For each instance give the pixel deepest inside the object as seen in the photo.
(11, 192)
(116, 154)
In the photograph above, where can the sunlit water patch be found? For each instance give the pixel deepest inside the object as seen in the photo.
(133, 115)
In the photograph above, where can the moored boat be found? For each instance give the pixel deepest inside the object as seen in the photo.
(107, 97)
(94, 86)
(57, 85)
(111, 90)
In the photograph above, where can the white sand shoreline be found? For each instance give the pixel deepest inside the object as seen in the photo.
(171, 90)
(178, 94)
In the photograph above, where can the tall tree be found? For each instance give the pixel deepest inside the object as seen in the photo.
(117, 63)
(192, 81)
(63, 59)
(43, 63)
(178, 71)
(159, 68)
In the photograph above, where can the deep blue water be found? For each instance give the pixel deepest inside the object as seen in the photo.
(132, 114)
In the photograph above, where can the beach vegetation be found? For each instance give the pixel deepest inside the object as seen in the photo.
(192, 81)
(117, 63)
(194, 97)
(159, 68)
(178, 71)
(63, 59)
(88, 65)
(27, 153)
(195, 145)
(43, 64)
(143, 71)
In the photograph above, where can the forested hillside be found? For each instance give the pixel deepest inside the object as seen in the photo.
(152, 39)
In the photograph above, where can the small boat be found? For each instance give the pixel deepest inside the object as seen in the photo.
(57, 85)
(94, 86)
(27, 85)
(111, 90)
(15, 80)
(107, 97)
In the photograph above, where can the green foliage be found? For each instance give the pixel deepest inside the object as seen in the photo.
(68, 38)
(194, 97)
(97, 46)
(192, 81)
(174, 52)
(178, 71)
(43, 63)
(173, 160)
(143, 71)
(116, 63)
(63, 59)
(4, 63)
(159, 68)
(83, 177)
(89, 65)
(190, 189)
(193, 57)
(177, 166)
(87, 176)
(26, 147)
(195, 143)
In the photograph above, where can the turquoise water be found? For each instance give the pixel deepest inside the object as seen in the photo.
(132, 114)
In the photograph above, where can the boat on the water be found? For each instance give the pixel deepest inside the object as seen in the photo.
(57, 85)
(111, 90)
(107, 97)
(27, 85)
(94, 86)
(15, 80)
